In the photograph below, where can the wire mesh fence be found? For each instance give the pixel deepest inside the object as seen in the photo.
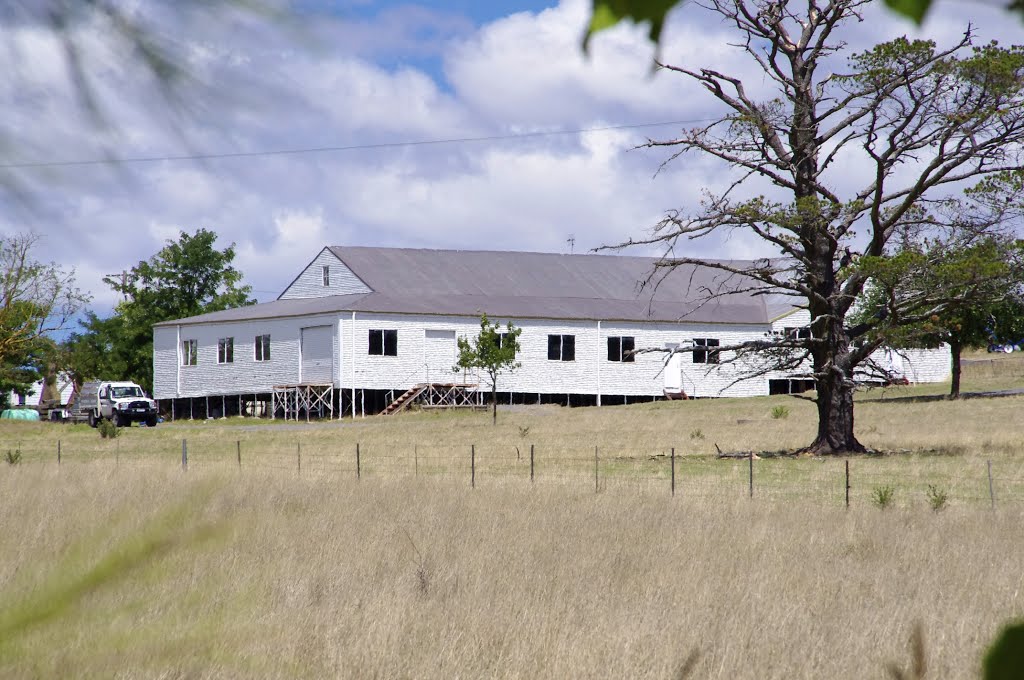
(882, 481)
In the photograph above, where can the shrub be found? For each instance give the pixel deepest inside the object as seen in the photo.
(780, 412)
(108, 430)
(697, 434)
(937, 497)
(13, 457)
(883, 496)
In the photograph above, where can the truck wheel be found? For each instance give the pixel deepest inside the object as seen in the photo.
(92, 419)
(115, 419)
(151, 421)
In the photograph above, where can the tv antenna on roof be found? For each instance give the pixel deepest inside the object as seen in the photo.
(571, 241)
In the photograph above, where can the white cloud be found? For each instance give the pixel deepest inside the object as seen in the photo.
(270, 90)
(529, 69)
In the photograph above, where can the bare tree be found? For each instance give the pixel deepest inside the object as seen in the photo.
(921, 119)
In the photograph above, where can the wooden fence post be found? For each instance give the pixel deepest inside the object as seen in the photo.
(184, 454)
(597, 487)
(238, 452)
(298, 456)
(673, 471)
(531, 463)
(750, 460)
(847, 483)
(472, 466)
(359, 473)
(991, 492)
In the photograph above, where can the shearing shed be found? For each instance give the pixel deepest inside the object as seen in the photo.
(361, 328)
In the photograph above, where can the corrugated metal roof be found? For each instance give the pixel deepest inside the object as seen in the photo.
(522, 285)
(275, 309)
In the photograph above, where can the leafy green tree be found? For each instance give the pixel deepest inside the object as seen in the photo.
(97, 350)
(37, 299)
(983, 282)
(185, 278)
(19, 373)
(853, 153)
(1004, 659)
(493, 351)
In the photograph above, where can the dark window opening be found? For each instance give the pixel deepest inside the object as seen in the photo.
(226, 351)
(262, 351)
(327, 275)
(189, 352)
(789, 386)
(620, 348)
(503, 340)
(562, 347)
(384, 342)
(706, 356)
(802, 333)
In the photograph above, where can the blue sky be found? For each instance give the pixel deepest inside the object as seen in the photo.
(370, 73)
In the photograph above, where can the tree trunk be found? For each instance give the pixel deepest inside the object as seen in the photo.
(494, 404)
(835, 418)
(833, 370)
(955, 349)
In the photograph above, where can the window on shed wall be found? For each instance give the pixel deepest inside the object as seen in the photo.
(189, 352)
(619, 348)
(562, 347)
(706, 356)
(326, 269)
(383, 342)
(262, 348)
(226, 351)
(503, 340)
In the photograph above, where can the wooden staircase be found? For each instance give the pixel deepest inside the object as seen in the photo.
(405, 399)
(438, 396)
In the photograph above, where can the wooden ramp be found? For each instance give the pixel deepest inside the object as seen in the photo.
(437, 395)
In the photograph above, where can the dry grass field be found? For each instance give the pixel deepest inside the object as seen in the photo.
(119, 564)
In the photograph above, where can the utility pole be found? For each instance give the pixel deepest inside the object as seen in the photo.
(124, 282)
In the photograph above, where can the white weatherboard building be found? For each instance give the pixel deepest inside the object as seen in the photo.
(359, 326)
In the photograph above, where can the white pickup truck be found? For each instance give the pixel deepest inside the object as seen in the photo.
(122, 403)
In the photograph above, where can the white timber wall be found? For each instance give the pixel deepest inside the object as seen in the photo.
(916, 365)
(244, 374)
(423, 356)
(927, 365)
(310, 283)
(426, 353)
(35, 392)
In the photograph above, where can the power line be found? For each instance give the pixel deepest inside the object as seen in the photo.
(332, 149)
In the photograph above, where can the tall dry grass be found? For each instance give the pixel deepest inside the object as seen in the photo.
(118, 564)
(312, 577)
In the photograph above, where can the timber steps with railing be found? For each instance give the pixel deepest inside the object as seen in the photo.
(437, 395)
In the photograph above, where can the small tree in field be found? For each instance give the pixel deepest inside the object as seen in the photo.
(493, 352)
(984, 281)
